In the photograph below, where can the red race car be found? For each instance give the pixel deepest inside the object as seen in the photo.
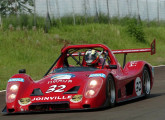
(83, 77)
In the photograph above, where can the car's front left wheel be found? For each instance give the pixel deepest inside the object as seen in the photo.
(110, 91)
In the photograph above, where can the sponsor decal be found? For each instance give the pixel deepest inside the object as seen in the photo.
(76, 98)
(62, 76)
(24, 101)
(98, 75)
(56, 88)
(16, 79)
(59, 81)
(52, 98)
(138, 86)
(133, 63)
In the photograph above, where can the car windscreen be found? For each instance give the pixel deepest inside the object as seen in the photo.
(73, 69)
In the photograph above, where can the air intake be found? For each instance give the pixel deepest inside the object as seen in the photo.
(11, 110)
(73, 90)
(37, 92)
(49, 106)
(86, 106)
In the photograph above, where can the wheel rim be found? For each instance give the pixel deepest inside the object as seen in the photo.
(147, 82)
(112, 91)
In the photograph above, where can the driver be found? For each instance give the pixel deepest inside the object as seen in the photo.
(92, 58)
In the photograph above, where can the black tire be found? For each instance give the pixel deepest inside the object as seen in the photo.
(110, 91)
(146, 82)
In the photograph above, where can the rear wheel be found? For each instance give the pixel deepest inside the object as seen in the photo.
(146, 82)
(110, 91)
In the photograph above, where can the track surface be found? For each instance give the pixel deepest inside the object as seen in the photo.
(152, 108)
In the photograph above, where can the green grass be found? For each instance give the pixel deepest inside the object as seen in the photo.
(23, 20)
(36, 51)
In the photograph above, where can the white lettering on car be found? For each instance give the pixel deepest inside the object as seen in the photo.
(55, 88)
(133, 63)
(59, 81)
(51, 98)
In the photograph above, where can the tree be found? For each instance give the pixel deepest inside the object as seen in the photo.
(8, 7)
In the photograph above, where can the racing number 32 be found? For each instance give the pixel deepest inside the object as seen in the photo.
(55, 88)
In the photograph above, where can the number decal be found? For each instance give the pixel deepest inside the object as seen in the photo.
(51, 88)
(55, 88)
(61, 87)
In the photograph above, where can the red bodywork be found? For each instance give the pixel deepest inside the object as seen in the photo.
(67, 90)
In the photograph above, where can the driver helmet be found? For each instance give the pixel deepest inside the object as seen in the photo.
(91, 57)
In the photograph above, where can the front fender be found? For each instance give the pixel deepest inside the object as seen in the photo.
(23, 82)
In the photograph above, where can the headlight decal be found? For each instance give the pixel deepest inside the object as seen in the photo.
(12, 90)
(93, 87)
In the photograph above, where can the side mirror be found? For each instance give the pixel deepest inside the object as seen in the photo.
(113, 66)
(22, 71)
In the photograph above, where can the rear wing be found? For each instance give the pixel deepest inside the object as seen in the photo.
(152, 49)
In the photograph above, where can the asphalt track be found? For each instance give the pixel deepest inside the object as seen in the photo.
(152, 108)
